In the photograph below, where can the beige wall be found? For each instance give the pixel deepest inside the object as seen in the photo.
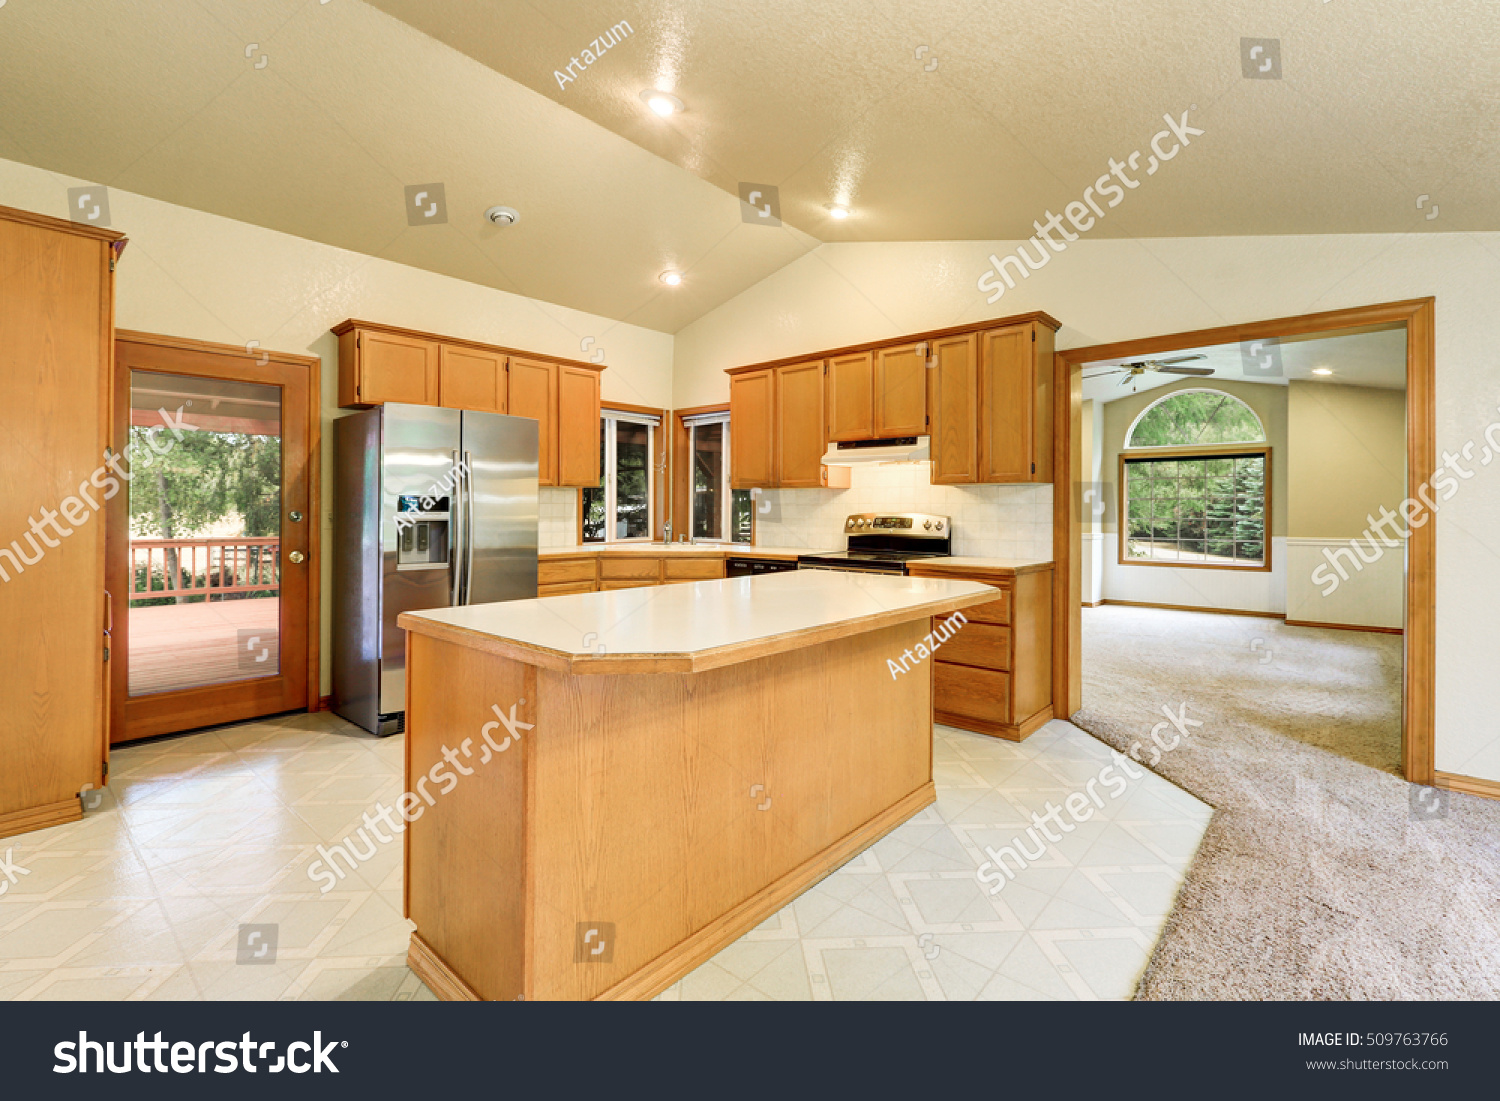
(1108, 290)
(198, 275)
(1348, 448)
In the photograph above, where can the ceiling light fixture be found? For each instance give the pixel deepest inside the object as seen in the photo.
(1322, 370)
(663, 103)
(839, 212)
(503, 215)
(671, 278)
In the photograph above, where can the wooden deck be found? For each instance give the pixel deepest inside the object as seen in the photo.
(176, 646)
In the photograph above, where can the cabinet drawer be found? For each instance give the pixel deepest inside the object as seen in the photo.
(986, 645)
(638, 583)
(634, 568)
(974, 693)
(996, 611)
(693, 569)
(555, 571)
(565, 588)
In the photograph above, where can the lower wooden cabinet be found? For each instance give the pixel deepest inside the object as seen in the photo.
(994, 673)
(566, 588)
(601, 571)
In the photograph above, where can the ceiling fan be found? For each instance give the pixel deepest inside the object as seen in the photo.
(1129, 372)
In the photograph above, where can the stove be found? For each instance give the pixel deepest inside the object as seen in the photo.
(884, 542)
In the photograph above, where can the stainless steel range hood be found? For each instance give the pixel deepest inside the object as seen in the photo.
(906, 449)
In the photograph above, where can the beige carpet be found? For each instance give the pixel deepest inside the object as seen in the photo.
(1322, 874)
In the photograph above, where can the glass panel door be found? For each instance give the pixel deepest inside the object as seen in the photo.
(205, 532)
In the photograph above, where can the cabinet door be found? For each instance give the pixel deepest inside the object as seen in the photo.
(799, 424)
(955, 411)
(577, 427)
(901, 391)
(393, 367)
(851, 397)
(533, 393)
(1007, 389)
(751, 429)
(470, 378)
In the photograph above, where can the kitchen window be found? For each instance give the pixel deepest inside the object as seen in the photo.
(718, 514)
(623, 506)
(1192, 493)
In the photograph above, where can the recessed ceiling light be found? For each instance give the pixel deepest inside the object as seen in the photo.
(503, 215)
(1322, 370)
(663, 103)
(671, 278)
(839, 212)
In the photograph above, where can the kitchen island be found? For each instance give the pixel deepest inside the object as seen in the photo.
(607, 788)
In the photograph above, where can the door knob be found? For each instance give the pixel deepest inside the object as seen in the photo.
(296, 517)
(297, 558)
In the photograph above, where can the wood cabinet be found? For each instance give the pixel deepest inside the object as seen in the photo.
(752, 435)
(901, 391)
(1015, 403)
(601, 571)
(377, 366)
(799, 425)
(777, 427)
(954, 394)
(993, 675)
(379, 363)
(851, 397)
(471, 378)
(56, 387)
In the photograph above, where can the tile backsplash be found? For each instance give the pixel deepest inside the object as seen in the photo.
(997, 521)
(557, 517)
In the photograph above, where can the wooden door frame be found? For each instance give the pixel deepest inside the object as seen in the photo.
(118, 518)
(1418, 318)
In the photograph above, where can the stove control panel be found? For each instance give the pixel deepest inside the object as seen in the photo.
(914, 525)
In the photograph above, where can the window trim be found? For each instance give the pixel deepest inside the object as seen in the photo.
(1218, 451)
(1130, 431)
(682, 473)
(653, 420)
(726, 507)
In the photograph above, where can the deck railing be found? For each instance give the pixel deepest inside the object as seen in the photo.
(204, 567)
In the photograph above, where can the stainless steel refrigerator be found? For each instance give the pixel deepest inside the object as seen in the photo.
(433, 508)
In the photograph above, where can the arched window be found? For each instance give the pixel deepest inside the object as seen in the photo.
(1195, 418)
(1195, 486)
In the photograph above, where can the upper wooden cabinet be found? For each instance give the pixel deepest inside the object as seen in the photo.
(954, 397)
(983, 393)
(799, 425)
(471, 378)
(376, 367)
(752, 429)
(851, 397)
(1015, 403)
(379, 363)
(56, 386)
(577, 426)
(901, 391)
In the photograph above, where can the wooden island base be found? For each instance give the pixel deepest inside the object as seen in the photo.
(668, 813)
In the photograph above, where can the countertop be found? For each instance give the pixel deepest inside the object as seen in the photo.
(692, 627)
(706, 550)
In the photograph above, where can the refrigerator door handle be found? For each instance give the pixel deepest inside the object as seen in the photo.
(456, 544)
(467, 482)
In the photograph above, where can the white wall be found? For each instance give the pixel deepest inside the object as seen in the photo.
(198, 275)
(1108, 290)
(1373, 594)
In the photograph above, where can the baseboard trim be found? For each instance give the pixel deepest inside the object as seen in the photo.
(1092, 604)
(1018, 732)
(1345, 627)
(325, 703)
(1189, 608)
(677, 961)
(1469, 785)
(441, 979)
(39, 818)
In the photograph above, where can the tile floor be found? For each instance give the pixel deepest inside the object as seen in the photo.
(144, 898)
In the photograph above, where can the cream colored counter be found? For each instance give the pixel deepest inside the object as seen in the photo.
(598, 837)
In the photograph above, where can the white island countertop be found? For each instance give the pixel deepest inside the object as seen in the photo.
(692, 627)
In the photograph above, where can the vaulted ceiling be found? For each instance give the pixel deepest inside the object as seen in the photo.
(933, 120)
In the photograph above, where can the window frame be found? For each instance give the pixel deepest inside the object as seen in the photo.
(653, 422)
(1190, 452)
(727, 491)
